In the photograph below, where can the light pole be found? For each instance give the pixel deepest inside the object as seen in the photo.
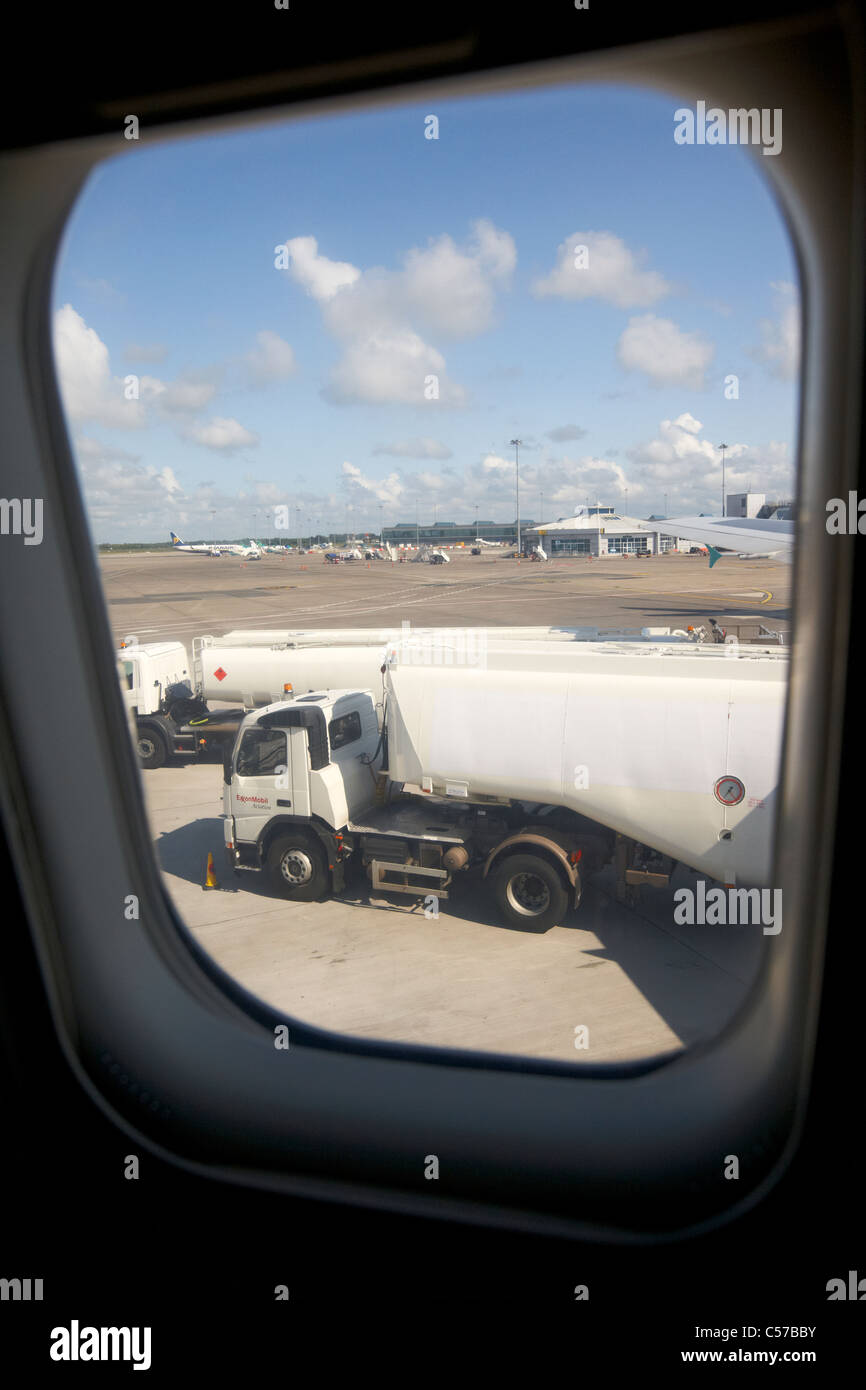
(476, 521)
(517, 443)
(723, 447)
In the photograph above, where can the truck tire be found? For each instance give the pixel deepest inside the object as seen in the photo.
(296, 867)
(152, 751)
(529, 891)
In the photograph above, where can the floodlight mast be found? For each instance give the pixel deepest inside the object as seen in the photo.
(517, 443)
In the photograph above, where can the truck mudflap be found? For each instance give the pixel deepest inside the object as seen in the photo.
(558, 844)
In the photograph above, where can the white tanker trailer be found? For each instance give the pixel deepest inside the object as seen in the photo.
(253, 672)
(678, 749)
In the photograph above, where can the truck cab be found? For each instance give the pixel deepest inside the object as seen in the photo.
(299, 772)
(150, 670)
(167, 715)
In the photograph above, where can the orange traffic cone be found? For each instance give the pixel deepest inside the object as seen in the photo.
(210, 877)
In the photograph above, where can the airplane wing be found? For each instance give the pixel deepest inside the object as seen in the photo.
(742, 535)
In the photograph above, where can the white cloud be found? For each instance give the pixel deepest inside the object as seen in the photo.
(612, 273)
(387, 490)
(390, 367)
(686, 466)
(222, 434)
(90, 393)
(319, 276)
(416, 448)
(384, 320)
(496, 464)
(780, 348)
(119, 490)
(453, 292)
(88, 389)
(678, 442)
(666, 354)
(272, 360)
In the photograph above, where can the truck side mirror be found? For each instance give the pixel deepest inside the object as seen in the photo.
(228, 749)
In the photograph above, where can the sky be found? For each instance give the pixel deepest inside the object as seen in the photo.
(350, 319)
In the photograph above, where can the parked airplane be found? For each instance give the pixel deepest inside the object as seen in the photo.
(736, 534)
(177, 544)
(250, 551)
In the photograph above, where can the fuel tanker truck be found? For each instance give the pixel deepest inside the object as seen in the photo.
(547, 763)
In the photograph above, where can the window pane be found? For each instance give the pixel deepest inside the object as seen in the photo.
(532, 325)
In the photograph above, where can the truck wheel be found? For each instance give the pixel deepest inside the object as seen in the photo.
(152, 751)
(297, 868)
(529, 891)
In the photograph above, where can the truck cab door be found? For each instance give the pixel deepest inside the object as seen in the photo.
(353, 735)
(271, 777)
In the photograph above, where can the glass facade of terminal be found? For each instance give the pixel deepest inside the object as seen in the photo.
(452, 533)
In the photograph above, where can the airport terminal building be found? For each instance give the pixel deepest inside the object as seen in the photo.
(600, 531)
(594, 530)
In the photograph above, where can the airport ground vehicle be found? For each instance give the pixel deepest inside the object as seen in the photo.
(537, 769)
(168, 716)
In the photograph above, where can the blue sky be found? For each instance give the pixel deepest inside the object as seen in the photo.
(412, 258)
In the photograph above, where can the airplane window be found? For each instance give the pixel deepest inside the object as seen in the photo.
(499, 394)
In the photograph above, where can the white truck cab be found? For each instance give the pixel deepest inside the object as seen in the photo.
(149, 671)
(300, 768)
